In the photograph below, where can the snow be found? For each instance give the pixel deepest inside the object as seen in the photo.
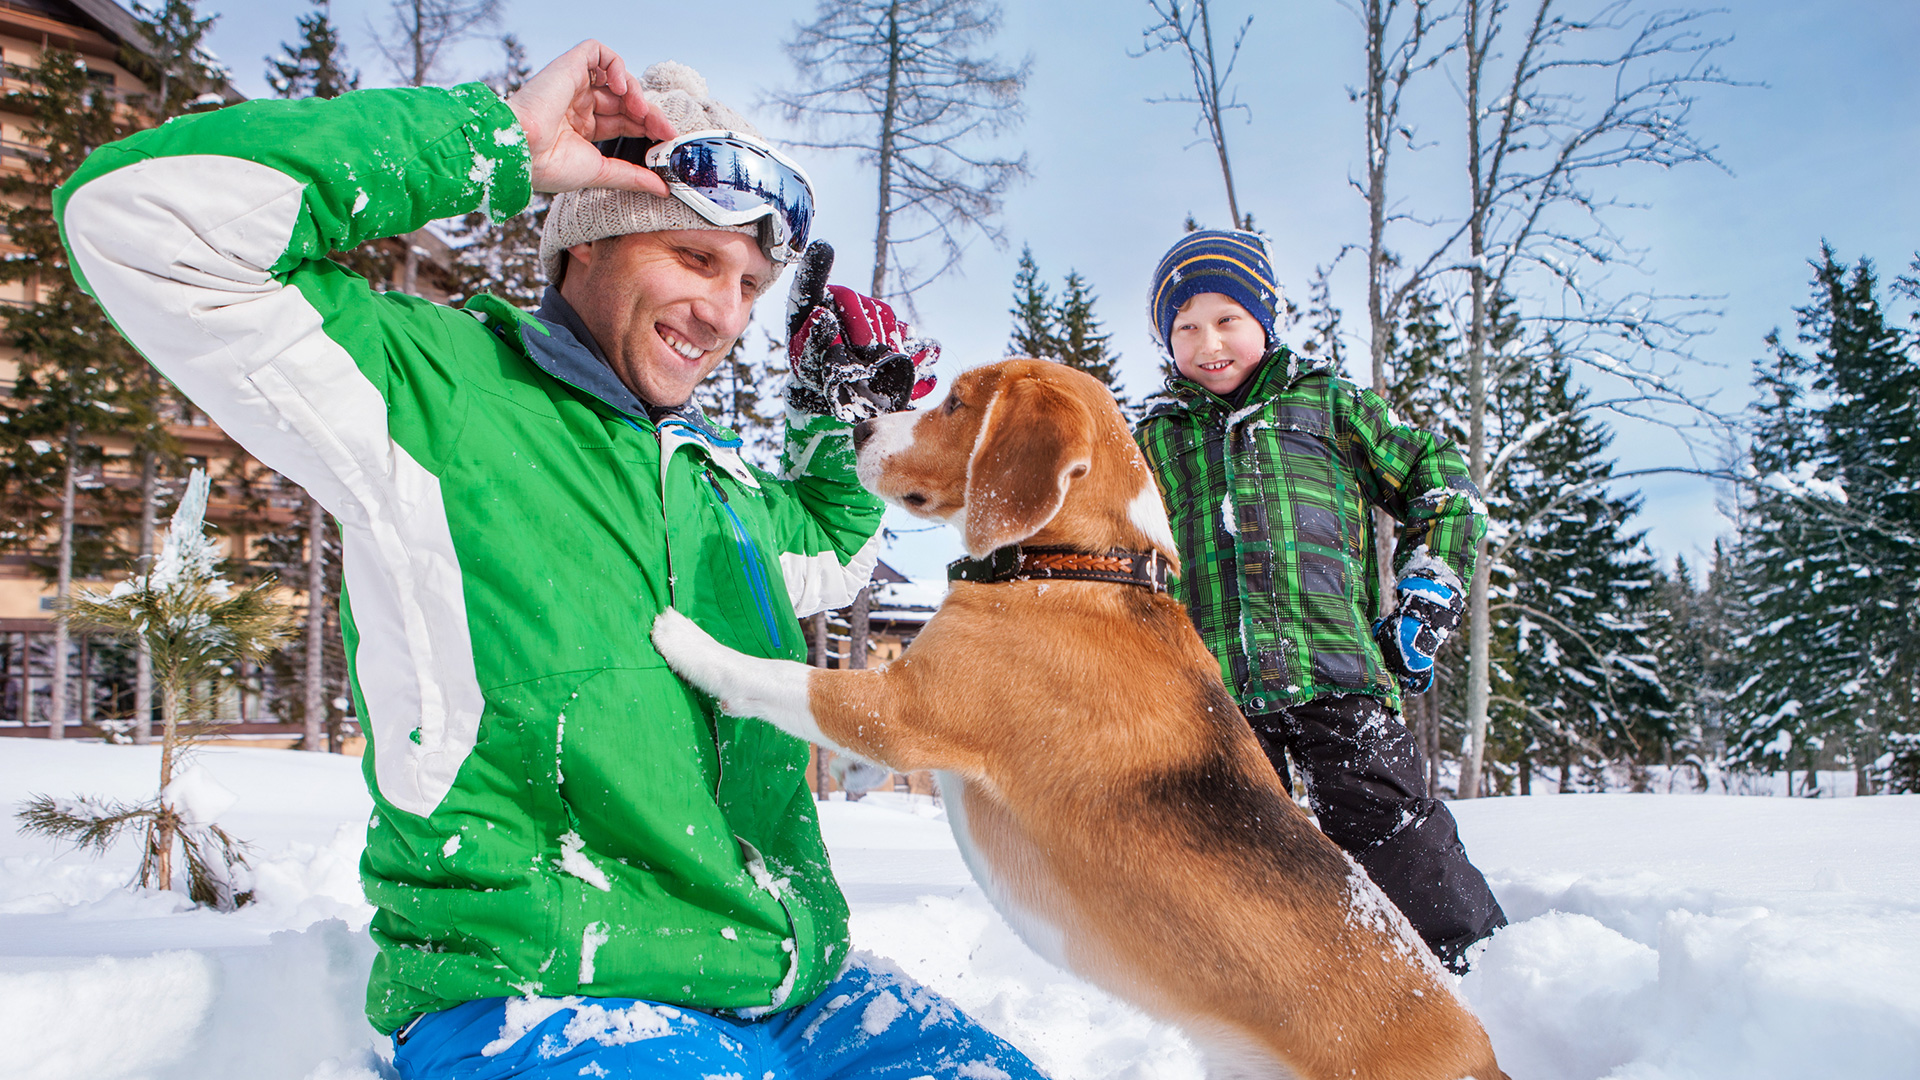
(1803, 484)
(574, 861)
(199, 798)
(188, 553)
(1653, 937)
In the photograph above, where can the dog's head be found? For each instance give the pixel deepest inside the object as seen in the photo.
(1020, 450)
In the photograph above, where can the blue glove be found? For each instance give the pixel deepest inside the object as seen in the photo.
(1411, 634)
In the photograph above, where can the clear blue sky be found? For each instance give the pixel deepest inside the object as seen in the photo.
(1828, 148)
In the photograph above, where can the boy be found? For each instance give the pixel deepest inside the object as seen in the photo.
(1270, 464)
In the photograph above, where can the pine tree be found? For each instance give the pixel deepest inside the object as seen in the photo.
(1323, 323)
(1700, 664)
(1424, 383)
(196, 626)
(1575, 600)
(1083, 342)
(318, 67)
(1828, 542)
(184, 77)
(1035, 332)
(78, 379)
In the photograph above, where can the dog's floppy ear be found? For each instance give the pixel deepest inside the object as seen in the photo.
(1037, 440)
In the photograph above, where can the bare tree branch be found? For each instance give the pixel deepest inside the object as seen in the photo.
(420, 31)
(1189, 31)
(897, 82)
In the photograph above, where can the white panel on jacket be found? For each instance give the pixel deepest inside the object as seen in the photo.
(178, 250)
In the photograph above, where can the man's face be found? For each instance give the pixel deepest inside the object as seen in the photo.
(666, 306)
(1216, 343)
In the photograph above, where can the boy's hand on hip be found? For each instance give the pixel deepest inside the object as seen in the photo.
(1411, 634)
(584, 97)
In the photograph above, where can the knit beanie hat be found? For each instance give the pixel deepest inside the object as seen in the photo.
(580, 217)
(1231, 263)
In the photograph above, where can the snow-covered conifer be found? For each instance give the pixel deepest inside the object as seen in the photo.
(1828, 545)
(195, 624)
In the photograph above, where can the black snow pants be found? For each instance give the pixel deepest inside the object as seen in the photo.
(1366, 780)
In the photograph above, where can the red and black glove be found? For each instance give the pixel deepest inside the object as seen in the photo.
(851, 357)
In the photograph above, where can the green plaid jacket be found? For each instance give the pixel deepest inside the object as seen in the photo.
(1269, 508)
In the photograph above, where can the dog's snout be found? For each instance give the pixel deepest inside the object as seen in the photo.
(862, 431)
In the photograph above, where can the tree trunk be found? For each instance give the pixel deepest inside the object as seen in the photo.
(1377, 314)
(161, 835)
(1429, 733)
(313, 735)
(817, 634)
(858, 624)
(884, 219)
(1377, 136)
(63, 584)
(1213, 116)
(1480, 636)
(142, 653)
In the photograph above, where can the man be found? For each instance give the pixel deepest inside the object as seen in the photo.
(581, 868)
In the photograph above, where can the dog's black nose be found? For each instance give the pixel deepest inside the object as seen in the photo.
(862, 431)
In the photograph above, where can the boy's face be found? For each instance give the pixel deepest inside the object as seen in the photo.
(1216, 343)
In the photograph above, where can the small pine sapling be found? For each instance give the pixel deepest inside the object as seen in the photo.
(196, 625)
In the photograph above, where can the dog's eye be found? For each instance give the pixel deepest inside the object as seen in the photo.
(914, 499)
(952, 402)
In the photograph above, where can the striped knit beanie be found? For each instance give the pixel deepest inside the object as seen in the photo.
(1233, 264)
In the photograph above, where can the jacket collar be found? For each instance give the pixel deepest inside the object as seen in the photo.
(1281, 369)
(568, 352)
(559, 343)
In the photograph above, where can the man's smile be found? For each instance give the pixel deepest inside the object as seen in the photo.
(679, 344)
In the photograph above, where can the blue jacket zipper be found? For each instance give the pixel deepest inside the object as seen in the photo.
(750, 561)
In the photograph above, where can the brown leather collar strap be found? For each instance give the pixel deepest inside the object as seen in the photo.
(1014, 563)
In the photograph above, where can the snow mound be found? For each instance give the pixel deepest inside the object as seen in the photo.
(1652, 937)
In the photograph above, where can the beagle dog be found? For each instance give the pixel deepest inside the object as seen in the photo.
(1104, 789)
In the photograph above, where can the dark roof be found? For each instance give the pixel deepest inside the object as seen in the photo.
(108, 19)
(103, 15)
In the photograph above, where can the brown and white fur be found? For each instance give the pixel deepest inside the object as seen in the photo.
(1103, 787)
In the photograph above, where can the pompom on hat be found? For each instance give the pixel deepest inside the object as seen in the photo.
(1231, 263)
(581, 217)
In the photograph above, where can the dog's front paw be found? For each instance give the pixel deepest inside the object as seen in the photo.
(770, 690)
(692, 652)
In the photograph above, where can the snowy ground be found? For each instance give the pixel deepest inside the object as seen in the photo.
(1653, 936)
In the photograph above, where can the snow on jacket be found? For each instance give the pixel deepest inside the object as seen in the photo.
(1269, 504)
(555, 812)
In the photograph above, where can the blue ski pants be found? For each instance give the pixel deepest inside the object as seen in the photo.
(872, 1023)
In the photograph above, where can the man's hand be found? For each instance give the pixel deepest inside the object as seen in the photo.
(1411, 634)
(851, 357)
(582, 98)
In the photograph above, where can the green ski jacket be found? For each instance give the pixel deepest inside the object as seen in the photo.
(555, 812)
(1269, 504)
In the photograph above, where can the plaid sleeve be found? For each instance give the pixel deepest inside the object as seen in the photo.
(1421, 479)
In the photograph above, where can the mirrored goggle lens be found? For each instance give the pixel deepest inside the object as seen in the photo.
(739, 177)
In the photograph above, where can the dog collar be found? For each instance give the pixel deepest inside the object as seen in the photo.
(1015, 563)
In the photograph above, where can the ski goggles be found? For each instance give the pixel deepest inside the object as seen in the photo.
(730, 178)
